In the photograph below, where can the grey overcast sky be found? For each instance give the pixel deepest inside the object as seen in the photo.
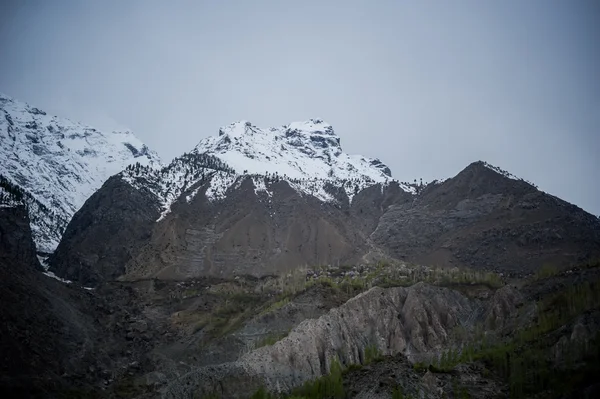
(426, 86)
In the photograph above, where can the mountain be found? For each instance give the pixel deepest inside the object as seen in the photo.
(267, 261)
(213, 211)
(252, 201)
(58, 164)
(485, 218)
(299, 151)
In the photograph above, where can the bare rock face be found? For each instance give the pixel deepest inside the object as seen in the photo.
(415, 321)
(247, 233)
(411, 321)
(370, 204)
(105, 233)
(504, 303)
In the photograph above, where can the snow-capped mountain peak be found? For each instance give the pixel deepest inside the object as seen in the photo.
(60, 163)
(300, 150)
(308, 155)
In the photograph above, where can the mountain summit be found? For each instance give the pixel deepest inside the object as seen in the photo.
(298, 151)
(58, 164)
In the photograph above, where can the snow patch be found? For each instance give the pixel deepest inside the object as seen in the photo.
(260, 186)
(43, 262)
(219, 184)
(54, 276)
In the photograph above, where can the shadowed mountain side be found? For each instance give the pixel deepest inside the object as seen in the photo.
(45, 330)
(105, 233)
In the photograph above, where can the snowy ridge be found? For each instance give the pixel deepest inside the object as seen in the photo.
(306, 154)
(185, 175)
(59, 164)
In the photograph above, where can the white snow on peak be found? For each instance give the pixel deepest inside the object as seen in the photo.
(307, 153)
(60, 163)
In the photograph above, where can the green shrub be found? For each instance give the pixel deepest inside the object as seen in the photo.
(371, 353)
(328, 386)
(546, 271)
(262, 393)
(276, 306)
(271, 339)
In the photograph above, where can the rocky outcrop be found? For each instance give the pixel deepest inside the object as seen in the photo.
(505, 302)
(396, 374)
(416, 322)
(413, 321)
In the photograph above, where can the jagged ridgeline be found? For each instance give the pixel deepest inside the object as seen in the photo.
(186, 169)
(168, 183)
(193, 169)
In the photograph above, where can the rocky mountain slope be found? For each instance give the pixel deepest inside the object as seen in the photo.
(223, 219)
(214, 221)
(484, 218)
(59, 164)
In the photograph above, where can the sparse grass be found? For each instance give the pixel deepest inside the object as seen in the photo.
(229, 316)
(190, 293)
(262, 393)
(271, 339)
(275, 306)
(371, 354)
(398, 393)
(546, 271)
(387, 275)
(327, 386)
(228, 313)
(525, 360)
